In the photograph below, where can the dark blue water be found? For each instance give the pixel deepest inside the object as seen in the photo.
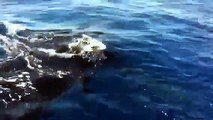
(162, 62)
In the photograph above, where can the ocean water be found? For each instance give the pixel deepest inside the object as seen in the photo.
(160, 64)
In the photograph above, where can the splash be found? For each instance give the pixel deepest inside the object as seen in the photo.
(12, 29)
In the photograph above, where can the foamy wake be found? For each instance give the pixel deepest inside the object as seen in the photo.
(17, 46)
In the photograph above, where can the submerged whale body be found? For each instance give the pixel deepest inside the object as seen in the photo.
(41, 59)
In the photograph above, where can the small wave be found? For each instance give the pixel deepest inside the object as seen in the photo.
(12, 28)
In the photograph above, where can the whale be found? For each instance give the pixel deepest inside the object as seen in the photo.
(42, 64)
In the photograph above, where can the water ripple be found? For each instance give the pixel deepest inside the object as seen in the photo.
(161, 56)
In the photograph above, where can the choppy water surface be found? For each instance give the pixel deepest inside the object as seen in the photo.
(160, 63)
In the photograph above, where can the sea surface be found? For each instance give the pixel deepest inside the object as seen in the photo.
(161, 62)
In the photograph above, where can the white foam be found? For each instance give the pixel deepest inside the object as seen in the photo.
(11, 80)
(20, 76)
(52, 52)
(39, 66)
(6, 43)
(25, 73)
(27, 76)
(85, 44)
(12, 29)
(27, 94)
(13, 47)
(60, 73)
(3, 100)
(10, 95)
(19, 97)
(88, 44)
(31, 87)
(28, 63)
(22, 84)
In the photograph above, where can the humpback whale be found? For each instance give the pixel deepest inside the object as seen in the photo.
(42, 64)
